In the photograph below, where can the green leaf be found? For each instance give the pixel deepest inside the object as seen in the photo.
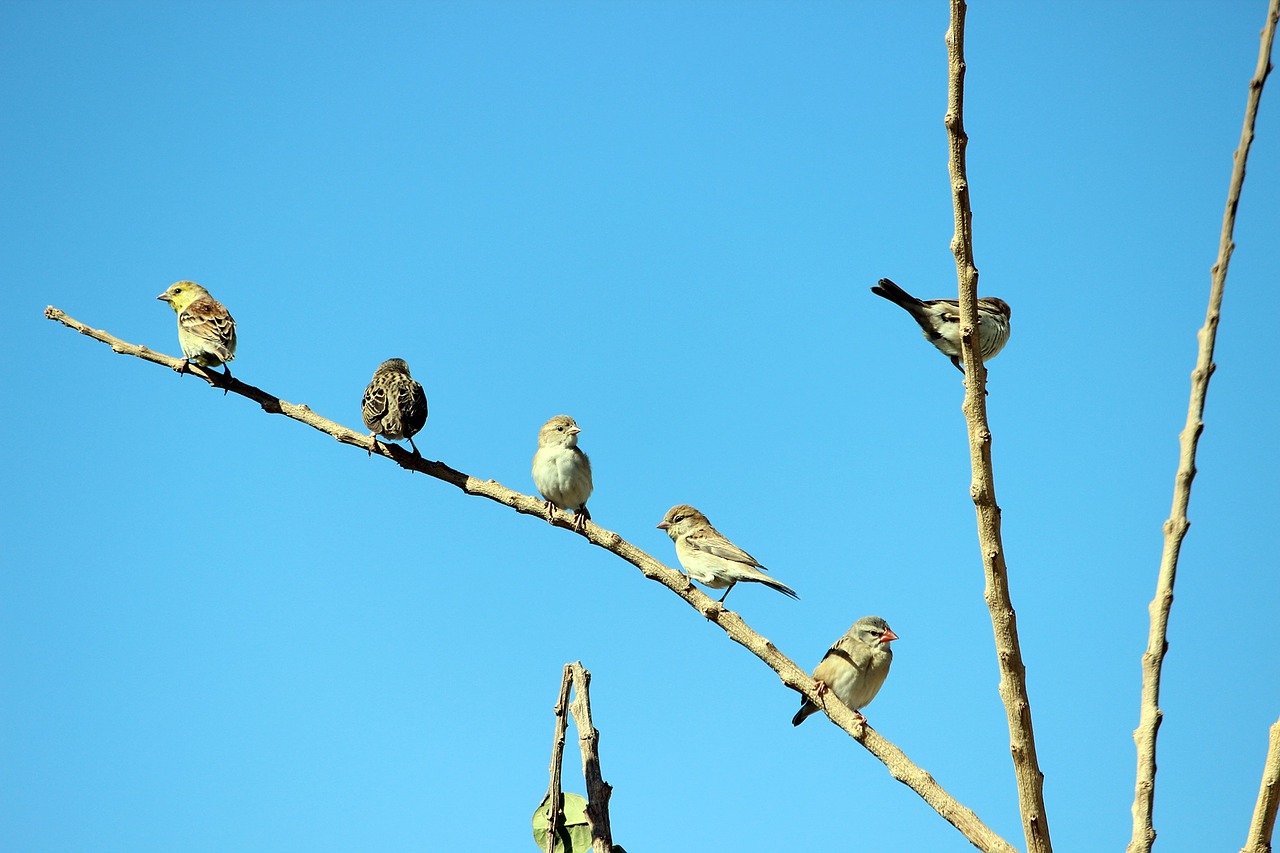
(574, 836)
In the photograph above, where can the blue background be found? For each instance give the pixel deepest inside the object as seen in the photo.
(224, 631)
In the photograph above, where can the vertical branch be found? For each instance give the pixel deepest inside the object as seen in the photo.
(1264, 813)
(555, 797)
(1013, 682)
(598, 790)
(1175, 528)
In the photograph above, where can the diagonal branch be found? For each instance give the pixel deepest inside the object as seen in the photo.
(1264, 813)
(1175, 529)
(1013, 674)
(897, 763)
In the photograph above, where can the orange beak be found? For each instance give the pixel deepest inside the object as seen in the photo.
(889, 636)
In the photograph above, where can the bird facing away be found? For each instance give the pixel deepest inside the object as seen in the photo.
(939, 319)
(561, 471)
(854, 668)
(708, 557)
(206, 332)
(394, 405)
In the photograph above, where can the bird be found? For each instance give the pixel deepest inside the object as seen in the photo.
(854, 668)
(561, 471)
(708, 557)
(939, 319)
(206, 331)
(394, 405)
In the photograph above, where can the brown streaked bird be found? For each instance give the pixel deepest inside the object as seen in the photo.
(206, 331)
(711, 559)
(561, 471)
(939, 319)
(394, 405)
(854, 669)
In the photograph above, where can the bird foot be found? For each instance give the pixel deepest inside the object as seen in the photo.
(580, 522)
(373, 443)
(550, 513)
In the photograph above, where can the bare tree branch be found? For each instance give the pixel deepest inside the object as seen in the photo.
(1175, 528)
(598, 790)
(555, 794)
(1013, 677)
(897, 763)
(1264, 813)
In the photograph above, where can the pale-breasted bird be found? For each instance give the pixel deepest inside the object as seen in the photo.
(206, 332)
(854, 668)
(561, 471)
(939, 319)
(394, 405)
(708, 557)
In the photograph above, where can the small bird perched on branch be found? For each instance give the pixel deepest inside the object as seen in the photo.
(394, 405)
(206, 332)
(708, 557)
(939, 319)
(561, 471)
(854, 668)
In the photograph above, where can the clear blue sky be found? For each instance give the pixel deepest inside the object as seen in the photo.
(223, 631)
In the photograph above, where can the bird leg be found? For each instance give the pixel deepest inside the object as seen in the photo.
(373, 442)
(726, 592)
(580, 518)
(551, 508)
(415, 448)
(184, 367)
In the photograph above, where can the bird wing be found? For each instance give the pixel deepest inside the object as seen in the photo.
(846, 652)
(374, 404)
(412, 401)
(710, 541)
(208, 320)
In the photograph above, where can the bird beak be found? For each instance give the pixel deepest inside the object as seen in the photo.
(889, 636)
(164, 297)
(662, 525)
(573, 430)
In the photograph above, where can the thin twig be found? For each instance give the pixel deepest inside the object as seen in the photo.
(898, 765)
(1013, 677)
(1264, 813)
(598, 790)
(1175, 528)
(555, 796)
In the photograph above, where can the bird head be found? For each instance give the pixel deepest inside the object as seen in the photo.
(681, 518)
(874, 631)
(392, 365)
(996, 306)
(560, 431)
(181, 294)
